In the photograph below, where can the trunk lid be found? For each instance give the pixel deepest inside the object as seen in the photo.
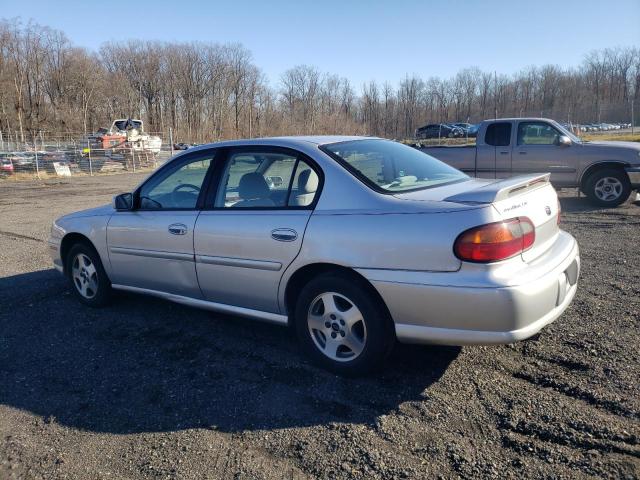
(529, 196)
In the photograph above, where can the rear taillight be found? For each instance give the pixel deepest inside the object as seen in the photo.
(495, 241)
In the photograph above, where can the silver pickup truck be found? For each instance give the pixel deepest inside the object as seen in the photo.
(606, 172)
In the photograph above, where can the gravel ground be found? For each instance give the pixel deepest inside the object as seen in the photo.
(150, 389)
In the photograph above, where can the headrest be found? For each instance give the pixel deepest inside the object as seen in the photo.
(307, 181)
(253, 185)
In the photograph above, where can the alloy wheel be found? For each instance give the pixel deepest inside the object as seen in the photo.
(337, 327)
(85, 276)
(608, 189)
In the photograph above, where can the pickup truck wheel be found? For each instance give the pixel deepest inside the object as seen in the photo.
(341, 326)
(608, 187)
(88, 279)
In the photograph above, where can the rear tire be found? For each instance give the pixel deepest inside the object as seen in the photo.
(341, 326)
(86, 274)
(608, 187)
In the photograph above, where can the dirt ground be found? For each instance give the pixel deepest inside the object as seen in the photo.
(150, 389)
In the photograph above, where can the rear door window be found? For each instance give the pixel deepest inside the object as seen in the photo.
(266, 179)
(498, 134)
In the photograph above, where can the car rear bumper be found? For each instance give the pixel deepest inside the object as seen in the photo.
(441, 309)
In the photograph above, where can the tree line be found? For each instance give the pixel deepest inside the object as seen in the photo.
(211, 91)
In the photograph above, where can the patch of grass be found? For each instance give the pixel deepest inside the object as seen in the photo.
(621, 137)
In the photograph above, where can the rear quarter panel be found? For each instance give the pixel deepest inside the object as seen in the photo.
(402, 242)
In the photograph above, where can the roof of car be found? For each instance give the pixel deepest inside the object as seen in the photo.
(322, 139)
(526, 119)
(291, 141)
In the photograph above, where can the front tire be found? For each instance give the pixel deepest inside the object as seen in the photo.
(86, 274)
(608, 187)
(342, 326)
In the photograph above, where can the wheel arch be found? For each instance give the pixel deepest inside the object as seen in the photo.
(67, 243)
(304, 274)
(591, 169)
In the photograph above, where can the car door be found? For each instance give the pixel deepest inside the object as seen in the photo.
(493, 154)
(253, 226)
(151, 246)
(537, 150)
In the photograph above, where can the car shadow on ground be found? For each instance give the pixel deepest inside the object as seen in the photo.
(143, 364)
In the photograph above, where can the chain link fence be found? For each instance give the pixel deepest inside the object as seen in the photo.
(46, 156)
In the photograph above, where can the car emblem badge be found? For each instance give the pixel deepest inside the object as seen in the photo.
(547, 209)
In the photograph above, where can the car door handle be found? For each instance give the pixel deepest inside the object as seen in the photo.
(178, 229)
(522, 153)
(284, 234)
(504, 153)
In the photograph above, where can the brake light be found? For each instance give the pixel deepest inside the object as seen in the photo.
(495, 241)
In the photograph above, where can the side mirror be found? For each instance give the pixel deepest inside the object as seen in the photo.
(124, 201)
(564, 141)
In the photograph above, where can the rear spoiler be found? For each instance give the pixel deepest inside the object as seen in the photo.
(501, 189)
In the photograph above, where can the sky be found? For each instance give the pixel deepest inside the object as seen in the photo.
(360, 40)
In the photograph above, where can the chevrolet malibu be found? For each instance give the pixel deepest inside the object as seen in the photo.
(355, 242)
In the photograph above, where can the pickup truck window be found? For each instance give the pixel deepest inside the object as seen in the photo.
(537, 133)
(391, 167)
(498, 134)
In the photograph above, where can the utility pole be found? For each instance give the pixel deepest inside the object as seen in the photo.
(89, 154)
(632, 101)
(495, 95)
(37, 165)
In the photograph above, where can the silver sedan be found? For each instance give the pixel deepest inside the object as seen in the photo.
(355, 242)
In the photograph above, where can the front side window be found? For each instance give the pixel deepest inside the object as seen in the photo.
(266, 179)
(391, 166)
(537, 133)
(176, 189)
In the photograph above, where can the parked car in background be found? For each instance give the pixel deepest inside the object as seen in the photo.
(20, 161)
(606, 172)
(181, 146)
(50, 157)
(362, 242)
(439, 130)
(6, 165)
(468, 129)
(24, 161)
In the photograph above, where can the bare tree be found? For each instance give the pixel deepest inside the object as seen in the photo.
(208, 91)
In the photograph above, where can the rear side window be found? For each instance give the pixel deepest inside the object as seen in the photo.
(266, 179)
(498, 134)
(392, 167)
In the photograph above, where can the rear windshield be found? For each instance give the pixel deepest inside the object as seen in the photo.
(391, 166)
